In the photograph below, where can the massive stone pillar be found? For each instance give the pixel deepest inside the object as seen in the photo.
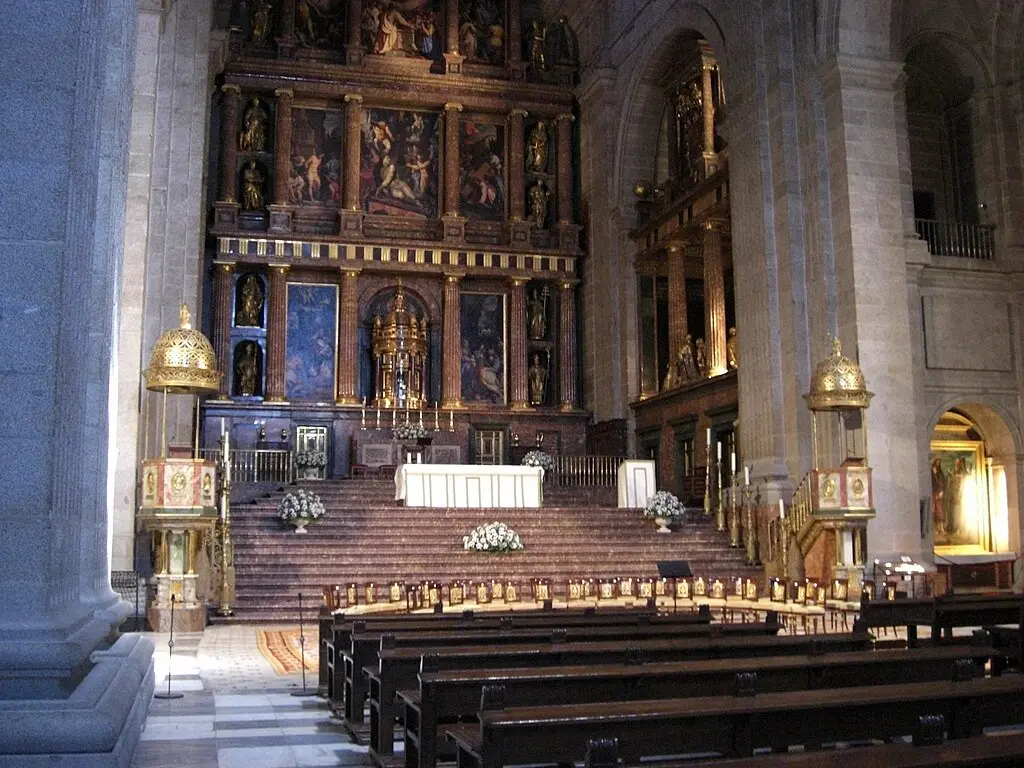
(454, 225)
(277, 321)
(567, 345)
(451, 344)
(351, 216)
(353, 44)
(714, 299)
(677, 327)
(281, 210)
(517, 363)
(348, 332)
(223, 288)
(58, 339)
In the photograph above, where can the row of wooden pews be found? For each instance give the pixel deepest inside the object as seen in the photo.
(532, 687)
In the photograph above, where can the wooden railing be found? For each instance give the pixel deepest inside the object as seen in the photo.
(257, 465)
(957, 238)
(587, 470)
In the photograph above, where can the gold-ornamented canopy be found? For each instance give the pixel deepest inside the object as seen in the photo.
(183, 361)
(400, 356)
(838, 382)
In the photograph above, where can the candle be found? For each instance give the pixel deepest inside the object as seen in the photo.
(732, 463)
(719, 450)
(378, 417)
(394, 418)
(782, 510)
(709, 439)
(746, 475)
(451, 421)
(222, 429)
(420, 410)
(436, 415)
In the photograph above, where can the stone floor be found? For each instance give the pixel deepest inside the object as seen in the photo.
(236, 712)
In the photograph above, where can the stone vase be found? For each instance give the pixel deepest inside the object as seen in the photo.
(300, 523)
(662, 523)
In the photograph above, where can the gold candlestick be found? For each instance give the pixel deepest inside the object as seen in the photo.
(749, 527)
(734, 513)
(707, 482)
(225, 532)
(720, 501)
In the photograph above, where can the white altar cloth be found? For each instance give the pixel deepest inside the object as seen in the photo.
(466, 485)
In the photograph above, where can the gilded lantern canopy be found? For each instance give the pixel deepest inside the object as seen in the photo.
(400, 344)
(183, 362)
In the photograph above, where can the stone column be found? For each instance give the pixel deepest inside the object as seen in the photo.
(453, 224)
(673, 136)
(677, 326)
(351, 216)
(353, 43)
(567, 345)
(517, 359)
(451, 344)
(226, 208)
(714, 299)
(513, 43)
(281, 210)
(519, 230)
(286, 19)
(223, 288)
(452, 58)
(348, 331)
(708, 98)
(563, 124)
(277, 320)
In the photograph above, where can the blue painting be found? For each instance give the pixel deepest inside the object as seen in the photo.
(482, 324)
(310, 343)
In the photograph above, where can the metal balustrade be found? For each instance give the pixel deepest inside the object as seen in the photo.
(587, 470)
(257, 465)
(957, 238)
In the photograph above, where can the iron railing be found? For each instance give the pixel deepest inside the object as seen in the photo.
(257, 465)
(587, 470)
(957, 238)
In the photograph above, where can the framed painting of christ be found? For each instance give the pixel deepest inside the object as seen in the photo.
(399, 160)
(482, 325)
(959, 494)
(310, 342)
(315, 175)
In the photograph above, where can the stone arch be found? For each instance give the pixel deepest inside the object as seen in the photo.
(643, 101)
(957, 51)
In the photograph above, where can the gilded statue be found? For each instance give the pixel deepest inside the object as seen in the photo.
(252, 188)
(685, 361)
(701, 359)
(537, 148)
(538, 211)
(538, 40)
(731, 352)
(247, 370)
(254, 131)
(537, 305)
(538, 378)
(262, 13)
(250, 308)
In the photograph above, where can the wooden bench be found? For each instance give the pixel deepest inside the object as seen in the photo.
(902, 612)
(735, 725)
(974, 611)
(446, 697)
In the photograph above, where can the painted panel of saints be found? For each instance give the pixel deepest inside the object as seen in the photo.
(482, 323)
(959, 510)
(482, 31)
(315, 177)
(321, 23)
(310, 342)
(398, 169)
(402, 28)
(482, 170)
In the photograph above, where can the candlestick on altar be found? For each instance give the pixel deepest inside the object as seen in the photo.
(436, 416)
(746, 475)
(394, 418)
(378, 418)
(451, 421)
(720, 522)
(420, 411)
(782, 510)
(732, 464)
(362, 415)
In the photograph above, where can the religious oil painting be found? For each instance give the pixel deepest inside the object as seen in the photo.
(398, 169)
(482, 322)
(482, 31)
(481, 171)
(315, 177)
(959, 499)
(310, 342)
(321, 23)
(403, 28)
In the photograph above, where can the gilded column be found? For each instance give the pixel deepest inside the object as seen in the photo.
(516, 174)
(677, 327)
(564, 138)
(223, 287)
(350, 214)
(276, 325)
(714, 299)
(517, 362)
(348, 322)
(567, 346)
(282, 144)
(229, 135)
(451, 345)
(353, 42)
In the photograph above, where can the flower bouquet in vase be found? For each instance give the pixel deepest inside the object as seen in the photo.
(300, 509)
(541, 459)
(492, 537)
(664, 506)
(310, 464)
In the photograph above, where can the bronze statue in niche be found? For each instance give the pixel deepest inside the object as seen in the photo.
(538, 380)
(537, 148)
(253, 137)
(247, 370)
(538, 201)
(252, 188)
(249, 306)
(261, 20)
(537, 304)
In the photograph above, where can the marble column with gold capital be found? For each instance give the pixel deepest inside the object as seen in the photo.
(348, 332)
(453, 59)
(516, 153)
(351, 217)
(513, 50)
(223, 287)
(353, 39)
(281, 212)
(229, 138)
(451, 344)
(453, 224)
(677, 325)
(517, 362)
(567, 345)
(563, 126)
(277, 319)
(714, 299)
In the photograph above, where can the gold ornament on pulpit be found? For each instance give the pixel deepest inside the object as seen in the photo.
(400, 344)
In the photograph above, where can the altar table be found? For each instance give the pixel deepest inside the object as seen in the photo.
(465, 485)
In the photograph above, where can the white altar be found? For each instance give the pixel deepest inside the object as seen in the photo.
(468, 485)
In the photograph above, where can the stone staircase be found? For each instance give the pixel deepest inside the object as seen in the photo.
(367, 536)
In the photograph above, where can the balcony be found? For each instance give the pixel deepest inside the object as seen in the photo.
(957, 238)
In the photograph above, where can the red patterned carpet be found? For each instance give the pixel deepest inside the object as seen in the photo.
(284, 652)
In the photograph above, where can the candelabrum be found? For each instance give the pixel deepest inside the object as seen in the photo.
(784, 550)
(707, 482)
(720, 498)
(225, 533)
(734, 512)
(750, 527)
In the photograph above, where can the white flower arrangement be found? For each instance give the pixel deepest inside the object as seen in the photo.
(664, 504)
(302, 503)
(316, 459)
(539, 459)
(492, 537)
(410, 431)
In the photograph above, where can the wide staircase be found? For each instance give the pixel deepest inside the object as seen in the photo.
(366, 536)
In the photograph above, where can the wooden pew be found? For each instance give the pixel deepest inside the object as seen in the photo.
(735, 725)
(974, 611)
(446, 697)
(902, 612)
